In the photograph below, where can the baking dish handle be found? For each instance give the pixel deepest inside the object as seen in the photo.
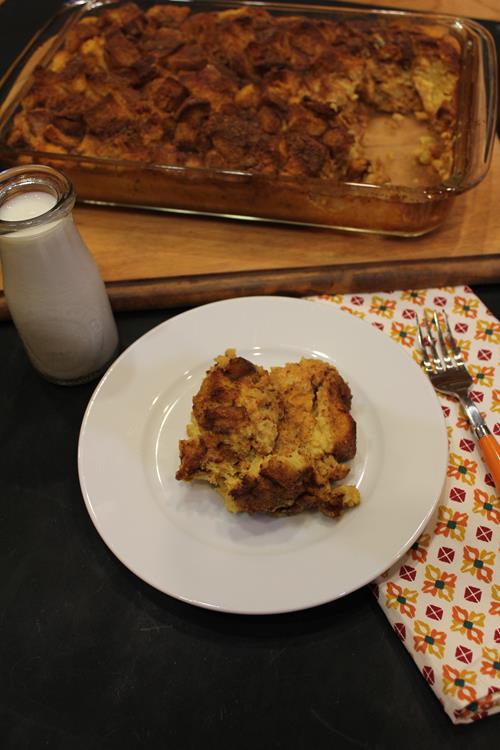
(484, 120)
(490, 66)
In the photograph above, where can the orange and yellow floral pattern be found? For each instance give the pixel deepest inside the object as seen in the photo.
(459, 682)
(468, 623)
(443, 596)
(402, 599)
(382, 306)
(488, 330)
(451, 523)
(439, 583)
(418, 550)
(467, 307)
(417, 296)
(495, 600)
(461, 468)
(429, 639)
(479, 563)
(483, 376)
(491, 662)
(488, 505)
(495, 400)
(405, 334)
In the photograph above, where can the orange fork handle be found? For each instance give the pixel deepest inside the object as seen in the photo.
(491, 454)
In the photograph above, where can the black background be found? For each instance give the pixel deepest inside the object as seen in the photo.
(91, 657)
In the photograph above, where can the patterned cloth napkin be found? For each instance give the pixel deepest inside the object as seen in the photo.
(443, 597)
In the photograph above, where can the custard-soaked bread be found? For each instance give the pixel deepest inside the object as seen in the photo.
(243, 89)
(272, 441)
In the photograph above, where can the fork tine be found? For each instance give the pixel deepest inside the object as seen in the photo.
(438, 362)
(449, 375)
(445, 354)
(426, 362)
(457, 356)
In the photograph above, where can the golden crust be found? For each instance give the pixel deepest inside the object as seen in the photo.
(272, 441)
(239, 89)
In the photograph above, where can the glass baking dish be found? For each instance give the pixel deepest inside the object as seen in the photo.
(406, 202)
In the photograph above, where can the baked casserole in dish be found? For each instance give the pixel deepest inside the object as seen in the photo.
(365, 120)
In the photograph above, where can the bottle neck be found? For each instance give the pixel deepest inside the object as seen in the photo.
(32, 200)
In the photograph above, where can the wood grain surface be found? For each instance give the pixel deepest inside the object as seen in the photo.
(487, 9)
(155, 260)
(160, 260)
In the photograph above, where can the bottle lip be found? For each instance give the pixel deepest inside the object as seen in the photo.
(36, 177)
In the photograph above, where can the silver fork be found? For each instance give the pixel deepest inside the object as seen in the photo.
(444, 364)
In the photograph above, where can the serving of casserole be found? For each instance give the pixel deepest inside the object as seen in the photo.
(361, 120)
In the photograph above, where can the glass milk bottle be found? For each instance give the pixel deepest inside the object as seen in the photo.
(54, 291)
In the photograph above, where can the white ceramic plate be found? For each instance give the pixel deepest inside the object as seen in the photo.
(178, 536)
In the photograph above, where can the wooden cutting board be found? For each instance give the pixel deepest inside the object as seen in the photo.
(155, 260)
(160, 260)
(488, 9)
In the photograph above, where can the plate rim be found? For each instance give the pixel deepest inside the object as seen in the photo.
(195, 311)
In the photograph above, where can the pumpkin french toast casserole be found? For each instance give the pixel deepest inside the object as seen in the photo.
(272, 441)
(243, 89)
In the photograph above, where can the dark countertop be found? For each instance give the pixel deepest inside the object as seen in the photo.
(92, 657)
